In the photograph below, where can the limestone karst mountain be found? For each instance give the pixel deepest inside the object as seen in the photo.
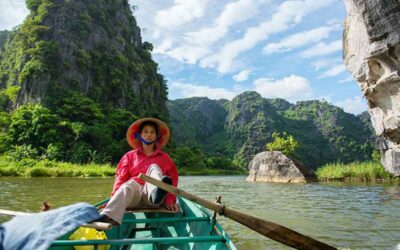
(73, 77)
(92, 47)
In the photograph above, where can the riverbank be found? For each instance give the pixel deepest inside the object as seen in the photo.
(47, 168)
(355, 172)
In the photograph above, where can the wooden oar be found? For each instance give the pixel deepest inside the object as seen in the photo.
(97, 225)
(12, 213)
(269, 229)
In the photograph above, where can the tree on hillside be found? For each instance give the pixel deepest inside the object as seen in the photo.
(285, 143)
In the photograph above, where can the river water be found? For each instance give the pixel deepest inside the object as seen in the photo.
(355, 216)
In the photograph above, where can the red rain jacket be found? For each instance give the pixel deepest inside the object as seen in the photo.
(135, 162)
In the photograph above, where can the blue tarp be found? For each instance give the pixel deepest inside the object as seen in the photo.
(38, 231)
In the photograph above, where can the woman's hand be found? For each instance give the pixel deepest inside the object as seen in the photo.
(172, 207)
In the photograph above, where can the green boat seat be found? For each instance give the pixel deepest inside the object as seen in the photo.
(150, 210)
(161, 240)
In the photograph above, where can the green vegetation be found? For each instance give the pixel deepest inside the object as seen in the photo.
(88, 80)
(194, 160)
(286, 144)
(4, 34)
(327, 134)
(27, 167)
(239, 129)
(357, 171)
(78, 131)
(79, 86)
(48, 168)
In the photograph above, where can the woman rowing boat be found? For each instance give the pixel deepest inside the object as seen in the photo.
(147, 137)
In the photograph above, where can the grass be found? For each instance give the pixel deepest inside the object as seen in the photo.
(357, 171)
(47, 168)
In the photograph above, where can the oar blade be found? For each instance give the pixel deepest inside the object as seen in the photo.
(277, 232)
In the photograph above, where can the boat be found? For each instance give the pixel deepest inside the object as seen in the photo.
(193, 227)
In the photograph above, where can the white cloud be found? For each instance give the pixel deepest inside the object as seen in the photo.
(207, 36)
(334, 71)
(300, 39)
(183, 11)
(322, 49)
(190, 90)
(12, 13)
(287, 14)
(293, 88)
(347, 79)
(331, 66)
(233, 13)
(355, 106)
(188, 54)
(163, 47)
(241, 76)
(324, 63)
(191, 47)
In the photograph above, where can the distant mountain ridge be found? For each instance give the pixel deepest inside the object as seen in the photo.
(241, 128)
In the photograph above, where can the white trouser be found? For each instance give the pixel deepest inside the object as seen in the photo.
(132, 195)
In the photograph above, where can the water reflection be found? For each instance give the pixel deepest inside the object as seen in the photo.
(349, 216)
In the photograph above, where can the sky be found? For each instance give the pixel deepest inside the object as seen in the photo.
(221, 48)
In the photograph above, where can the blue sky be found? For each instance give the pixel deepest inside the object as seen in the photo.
(220, 48)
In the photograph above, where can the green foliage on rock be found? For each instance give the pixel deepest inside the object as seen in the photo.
(376, 156)
(285, 143)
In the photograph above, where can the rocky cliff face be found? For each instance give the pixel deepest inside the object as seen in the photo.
(250, 122)
(371, 54)
(196, 121)
(199, 122)
(90, 46)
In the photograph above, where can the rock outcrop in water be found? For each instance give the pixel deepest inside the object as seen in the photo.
(274, 166)
(372, 55)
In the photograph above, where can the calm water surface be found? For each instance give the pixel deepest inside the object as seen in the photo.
(348, 216)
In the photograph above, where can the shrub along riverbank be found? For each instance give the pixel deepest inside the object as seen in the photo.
(355, 172)
(47, 168)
